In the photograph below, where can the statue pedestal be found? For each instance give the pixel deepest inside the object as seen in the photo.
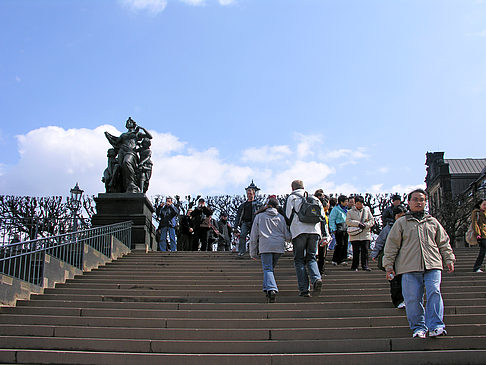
(121, 207)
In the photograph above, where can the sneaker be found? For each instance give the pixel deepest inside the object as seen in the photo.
(438, 332)
(344, 263)
(304, 294)
(318, 286)
(366, 269)
(420, 334)
(478, 270)
(334, 263)
(271, 295)
(401, 305)
(354, 269)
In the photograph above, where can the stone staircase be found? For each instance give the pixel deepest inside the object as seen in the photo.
(208, 308)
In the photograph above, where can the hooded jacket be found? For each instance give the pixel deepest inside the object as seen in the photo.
(269, 233)
(417, 245)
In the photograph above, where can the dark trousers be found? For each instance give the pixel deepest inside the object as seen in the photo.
(202, 236)
(396, 290)
(321, 257)
(482, 251)
(184, 243)
(341, 249)
(360, 247)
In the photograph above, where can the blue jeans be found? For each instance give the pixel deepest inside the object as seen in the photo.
(163, 239)
(413, 284)
(245, 231)
(269, 261)
(305, 248)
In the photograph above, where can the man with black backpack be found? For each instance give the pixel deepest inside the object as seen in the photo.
(304, 214)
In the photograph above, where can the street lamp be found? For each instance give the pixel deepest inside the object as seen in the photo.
(75, 203)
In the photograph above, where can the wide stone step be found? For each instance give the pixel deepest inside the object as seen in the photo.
(206, 334)
(229, 323)
(241, 346)
(222, 334)
(209, 307)
(450, 357)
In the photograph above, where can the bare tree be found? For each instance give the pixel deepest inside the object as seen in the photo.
(454, 215)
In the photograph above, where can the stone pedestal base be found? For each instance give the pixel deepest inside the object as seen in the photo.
(121, 207)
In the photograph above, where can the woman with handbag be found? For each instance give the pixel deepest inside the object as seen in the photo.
(478, 218)
(359, 221)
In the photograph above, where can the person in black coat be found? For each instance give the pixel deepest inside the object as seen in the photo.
(201, 216)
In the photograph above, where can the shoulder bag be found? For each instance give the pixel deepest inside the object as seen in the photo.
(354, 231)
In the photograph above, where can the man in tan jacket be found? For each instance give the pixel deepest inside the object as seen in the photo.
(418, 247)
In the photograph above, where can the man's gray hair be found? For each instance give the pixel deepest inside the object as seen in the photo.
(297, 184)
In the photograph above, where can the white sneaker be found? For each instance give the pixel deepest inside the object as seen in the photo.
(420, 334)
(438, 332)
(478, 270)
(401, 305)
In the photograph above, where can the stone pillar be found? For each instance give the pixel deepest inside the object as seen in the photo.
(121, 207)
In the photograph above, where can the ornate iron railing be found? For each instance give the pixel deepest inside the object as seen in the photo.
(25, 260)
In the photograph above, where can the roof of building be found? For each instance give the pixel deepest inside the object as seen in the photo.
(466, 165)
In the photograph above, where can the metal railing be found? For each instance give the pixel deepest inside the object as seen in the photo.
(25, 260)
(24, 229)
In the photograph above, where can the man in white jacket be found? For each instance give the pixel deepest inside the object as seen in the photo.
(269, 233)
(305, 237)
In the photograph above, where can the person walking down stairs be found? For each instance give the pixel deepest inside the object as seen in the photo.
(418, 247)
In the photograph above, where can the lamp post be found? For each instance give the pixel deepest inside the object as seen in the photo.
(74, 204)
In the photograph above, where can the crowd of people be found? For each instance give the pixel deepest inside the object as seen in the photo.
(412, 247)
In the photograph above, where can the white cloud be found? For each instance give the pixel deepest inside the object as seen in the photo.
(266, 153)
(194, 2)
(153, 7)
(312, 173)
(399, 188)
(347, 153)
(308, 144)
(377, 188)
(53, 159)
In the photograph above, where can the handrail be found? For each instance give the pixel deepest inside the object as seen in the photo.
(25, 260)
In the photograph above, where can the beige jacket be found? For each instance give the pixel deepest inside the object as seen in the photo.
(414, 245)
(353, 218)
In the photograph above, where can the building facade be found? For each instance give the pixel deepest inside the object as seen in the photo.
(446, 179)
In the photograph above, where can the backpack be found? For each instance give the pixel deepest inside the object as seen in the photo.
(310, 210)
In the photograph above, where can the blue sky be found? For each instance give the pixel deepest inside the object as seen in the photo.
(346, 95)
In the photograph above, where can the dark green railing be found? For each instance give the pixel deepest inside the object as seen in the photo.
(25, 260)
